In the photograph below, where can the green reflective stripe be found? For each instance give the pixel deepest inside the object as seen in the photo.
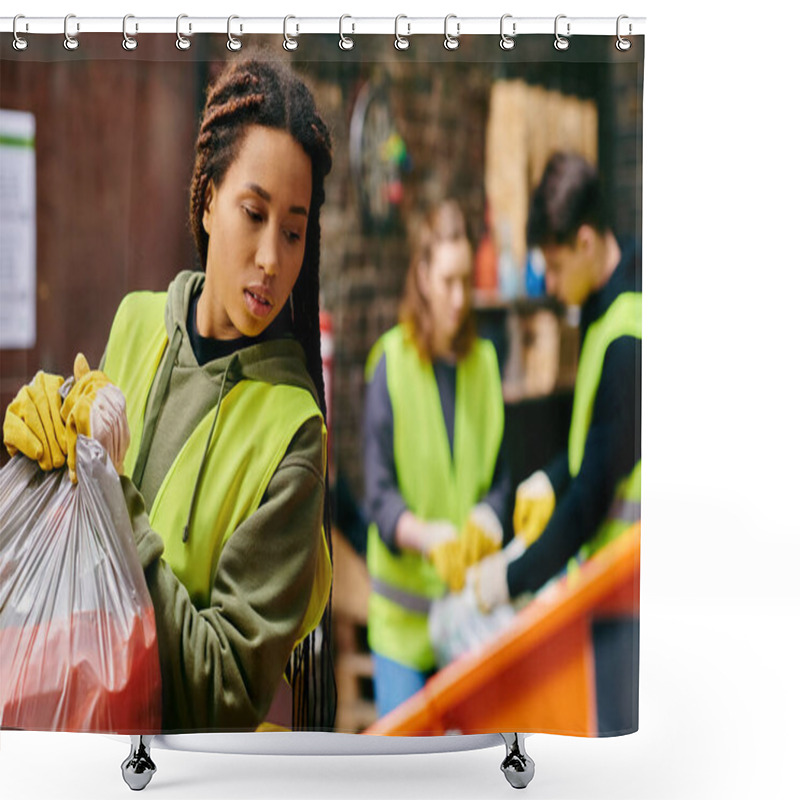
(623, 318)
(435, 484)
(411, 602)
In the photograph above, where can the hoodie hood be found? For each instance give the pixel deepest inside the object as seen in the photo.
(275, 361)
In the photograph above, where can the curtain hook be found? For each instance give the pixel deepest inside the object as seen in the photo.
(561, 43)
(19, 42)
(345, 42)
(507, 42)
(289, 42)
(234, 44)
(129, 42)
(623, 44)
(401, 42)
(182, 43)
(70, 42)
(450, 41)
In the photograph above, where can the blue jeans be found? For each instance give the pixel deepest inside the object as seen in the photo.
(394, 683)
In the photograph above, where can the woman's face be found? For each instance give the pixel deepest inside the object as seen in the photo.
(446, 284)
(256, 224)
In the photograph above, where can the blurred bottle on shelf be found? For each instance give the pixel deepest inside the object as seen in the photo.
(534, 273)
(507, 265)
(486, 259)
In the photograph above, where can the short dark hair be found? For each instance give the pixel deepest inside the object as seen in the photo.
(569, 195)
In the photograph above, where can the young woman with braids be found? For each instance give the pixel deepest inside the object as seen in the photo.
(225, 477)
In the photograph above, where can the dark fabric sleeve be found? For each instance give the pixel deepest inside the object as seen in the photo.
(384, 503)
(557, 472)
(221, 665)
(613, 446)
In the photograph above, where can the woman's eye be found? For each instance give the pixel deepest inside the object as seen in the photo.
(253, 215)
(293, 236)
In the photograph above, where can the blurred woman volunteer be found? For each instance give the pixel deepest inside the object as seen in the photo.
(225, 475)
(435, 487)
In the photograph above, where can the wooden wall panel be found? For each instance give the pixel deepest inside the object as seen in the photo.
(114, 153)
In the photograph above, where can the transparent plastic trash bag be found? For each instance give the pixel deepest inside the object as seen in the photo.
(78, 649)
(457, 626)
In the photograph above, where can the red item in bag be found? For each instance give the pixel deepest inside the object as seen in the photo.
(78, 647)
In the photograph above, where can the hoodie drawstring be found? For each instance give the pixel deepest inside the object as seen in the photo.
(159, 393)
(205, 451)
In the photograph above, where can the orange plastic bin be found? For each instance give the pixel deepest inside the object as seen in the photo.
(538, 674)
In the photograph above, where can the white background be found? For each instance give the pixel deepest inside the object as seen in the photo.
(720, 604)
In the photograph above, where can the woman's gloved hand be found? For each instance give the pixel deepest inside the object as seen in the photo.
(482, 535)
(33, 424)
(488, 579)
(533, 507)
(95, 407)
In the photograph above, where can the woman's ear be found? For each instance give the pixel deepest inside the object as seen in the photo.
(208, 206)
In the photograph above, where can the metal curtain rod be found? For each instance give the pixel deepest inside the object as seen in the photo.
(295, 26)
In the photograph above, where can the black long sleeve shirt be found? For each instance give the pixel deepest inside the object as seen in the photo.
(613, 444)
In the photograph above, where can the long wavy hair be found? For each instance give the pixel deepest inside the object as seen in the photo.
(445, 222)
(252, 91)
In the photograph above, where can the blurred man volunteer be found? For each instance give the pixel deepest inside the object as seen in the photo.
(591, 493)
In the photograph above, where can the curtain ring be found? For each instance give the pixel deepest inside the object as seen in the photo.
(19, 43)
(289, 42)
(234, 44)
(507, 42)
(70, 42)
(128, 42)
(345, 42)
(623, 44)
(401, 42)
(451, 42)
(561, 43)
(182, 43)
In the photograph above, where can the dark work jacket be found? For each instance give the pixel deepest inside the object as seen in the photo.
(613, 443)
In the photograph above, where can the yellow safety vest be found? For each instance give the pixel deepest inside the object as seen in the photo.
(623, 318)
(434, 484)
(255, 425)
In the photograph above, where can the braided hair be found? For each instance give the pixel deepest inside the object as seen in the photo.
(256, 92)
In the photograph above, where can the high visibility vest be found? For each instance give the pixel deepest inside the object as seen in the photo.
(623, 318)
(435, 485)
(255, 425)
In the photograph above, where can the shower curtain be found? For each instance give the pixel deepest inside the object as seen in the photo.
(98, 167)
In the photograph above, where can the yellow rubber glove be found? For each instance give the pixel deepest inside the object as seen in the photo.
(533, 507)
(448, 559)
(95, 407)
(33, 424)
(482, 535)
